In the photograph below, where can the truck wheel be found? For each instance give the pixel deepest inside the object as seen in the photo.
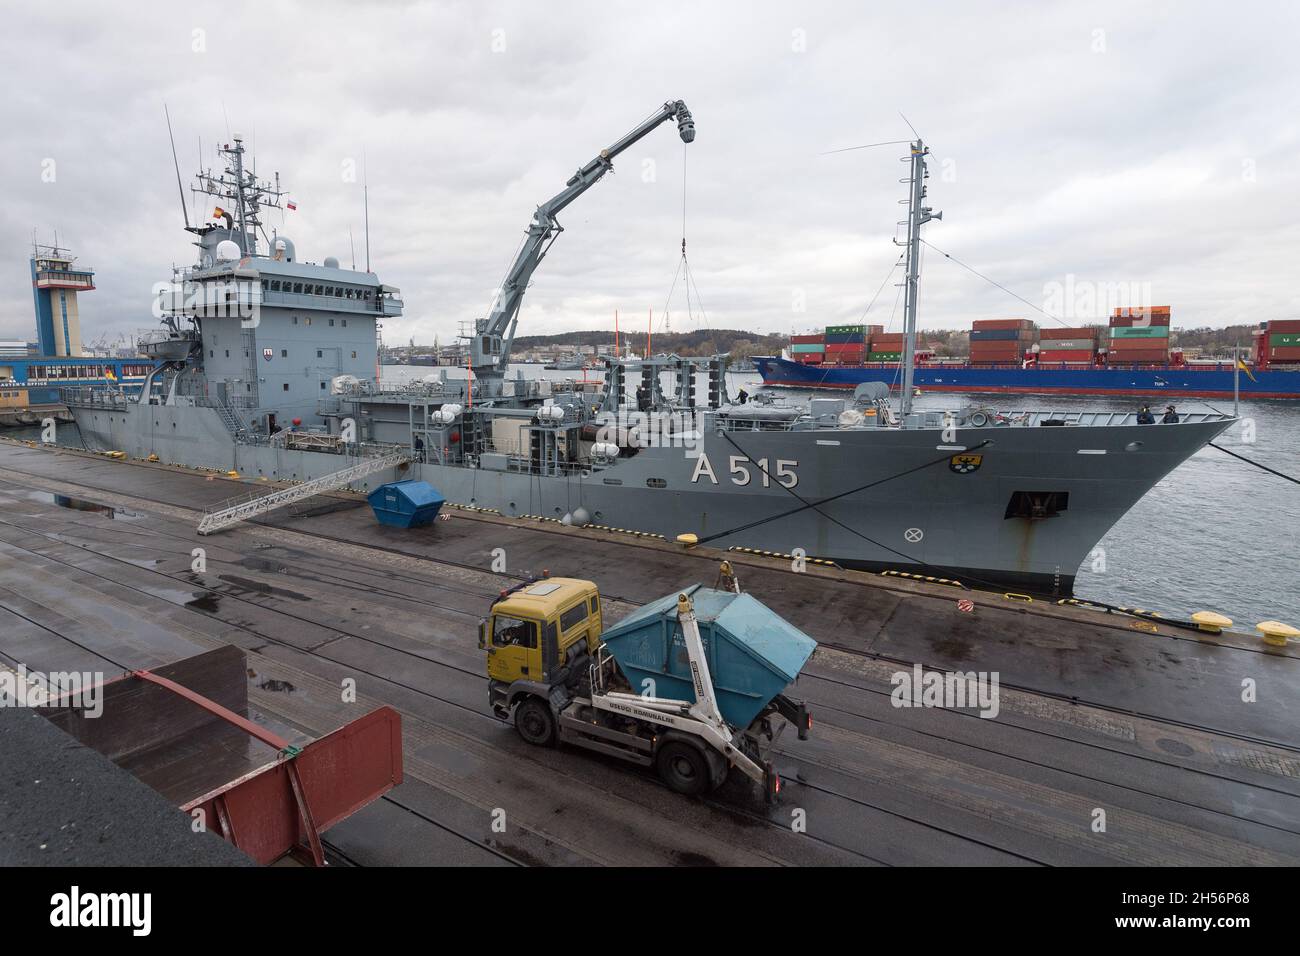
(683, 768)
(534, 722)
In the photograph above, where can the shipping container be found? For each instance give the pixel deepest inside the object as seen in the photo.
(845, 347)
(801, 348)
(1284, 340)
(884, 356)
(846, 328)
(1284, 355)
(1152, 356)
(1140, 332)
(1066, 355)
(1082, 332)
(875, 329)
(1138, 321)
(1282, 325)
(998, 325)
(806, 339)
(1068, 344)
(996, 335)
(1129, 312)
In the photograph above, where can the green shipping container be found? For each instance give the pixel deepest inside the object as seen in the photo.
(1284, 339)
(1141, 332)
(840, 329)
(811, 347)
(884, 356)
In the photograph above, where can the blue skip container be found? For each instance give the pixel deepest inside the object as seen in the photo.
(753, 653)
(405, 504)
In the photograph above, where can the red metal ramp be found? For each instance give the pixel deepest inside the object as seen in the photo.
(184, 729)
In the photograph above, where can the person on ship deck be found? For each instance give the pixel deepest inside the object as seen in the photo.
(1170, 417)
(1145, 417)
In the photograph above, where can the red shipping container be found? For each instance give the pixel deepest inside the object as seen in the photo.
(806, 339)
(1157, 357)
(1156, 321)
(1283, 325)
(1289, 353)
(856, 348)
(1079, 333)
(1138, 345)
(996, 324)
(875, 329)
(1065, 355)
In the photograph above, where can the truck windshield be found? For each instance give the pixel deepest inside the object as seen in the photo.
(513, 632)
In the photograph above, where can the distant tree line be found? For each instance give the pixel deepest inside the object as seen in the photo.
(739, 344)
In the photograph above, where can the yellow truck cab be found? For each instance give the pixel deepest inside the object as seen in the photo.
(534, 634)
(644, 691)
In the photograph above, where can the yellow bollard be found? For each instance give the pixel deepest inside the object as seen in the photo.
(1276, 633)
(1211, 621)
(232, 474)
(688, 540)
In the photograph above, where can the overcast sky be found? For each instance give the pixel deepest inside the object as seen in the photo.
(1151, 147)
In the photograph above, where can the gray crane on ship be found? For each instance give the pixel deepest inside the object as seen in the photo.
(489, 348)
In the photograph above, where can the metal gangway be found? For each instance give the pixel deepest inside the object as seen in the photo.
(250, 506)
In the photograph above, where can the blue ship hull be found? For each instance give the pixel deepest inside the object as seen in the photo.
(1208, 381)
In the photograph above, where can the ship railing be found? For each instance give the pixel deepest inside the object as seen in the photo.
(95, 396)
(1034, 417)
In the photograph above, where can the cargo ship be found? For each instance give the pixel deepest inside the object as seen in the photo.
(1130, 357)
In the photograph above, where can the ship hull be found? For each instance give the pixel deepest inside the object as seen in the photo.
(1145, 382)
(883, 498)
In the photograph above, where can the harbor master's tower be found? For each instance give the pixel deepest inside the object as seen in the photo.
(55, 284)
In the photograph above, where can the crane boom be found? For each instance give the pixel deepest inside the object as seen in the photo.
(490, 347)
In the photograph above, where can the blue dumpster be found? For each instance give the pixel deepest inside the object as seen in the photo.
(405, 504)
(753, 653)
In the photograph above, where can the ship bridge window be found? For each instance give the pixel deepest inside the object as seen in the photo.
(275, 285)
(1036, 505)
(331, 323)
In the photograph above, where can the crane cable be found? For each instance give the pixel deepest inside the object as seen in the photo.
(684, 268)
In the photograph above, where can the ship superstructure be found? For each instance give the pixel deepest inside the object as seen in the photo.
(279, 381)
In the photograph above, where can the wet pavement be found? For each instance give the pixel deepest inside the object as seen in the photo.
(1149, 728)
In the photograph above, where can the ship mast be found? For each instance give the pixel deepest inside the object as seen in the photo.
(917, 215)
(242, 187)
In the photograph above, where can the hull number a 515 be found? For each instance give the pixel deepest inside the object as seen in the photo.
(742, 471)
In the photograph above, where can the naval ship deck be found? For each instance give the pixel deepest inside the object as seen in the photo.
(1095, 712)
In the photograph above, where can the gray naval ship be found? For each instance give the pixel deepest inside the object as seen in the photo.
(267, 365)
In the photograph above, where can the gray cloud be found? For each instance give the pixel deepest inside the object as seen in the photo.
(1131, 164)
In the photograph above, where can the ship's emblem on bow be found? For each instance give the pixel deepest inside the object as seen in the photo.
(267, 353)
(965, 464)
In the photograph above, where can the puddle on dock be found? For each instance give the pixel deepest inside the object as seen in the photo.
(204, 602)
(81, 504)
